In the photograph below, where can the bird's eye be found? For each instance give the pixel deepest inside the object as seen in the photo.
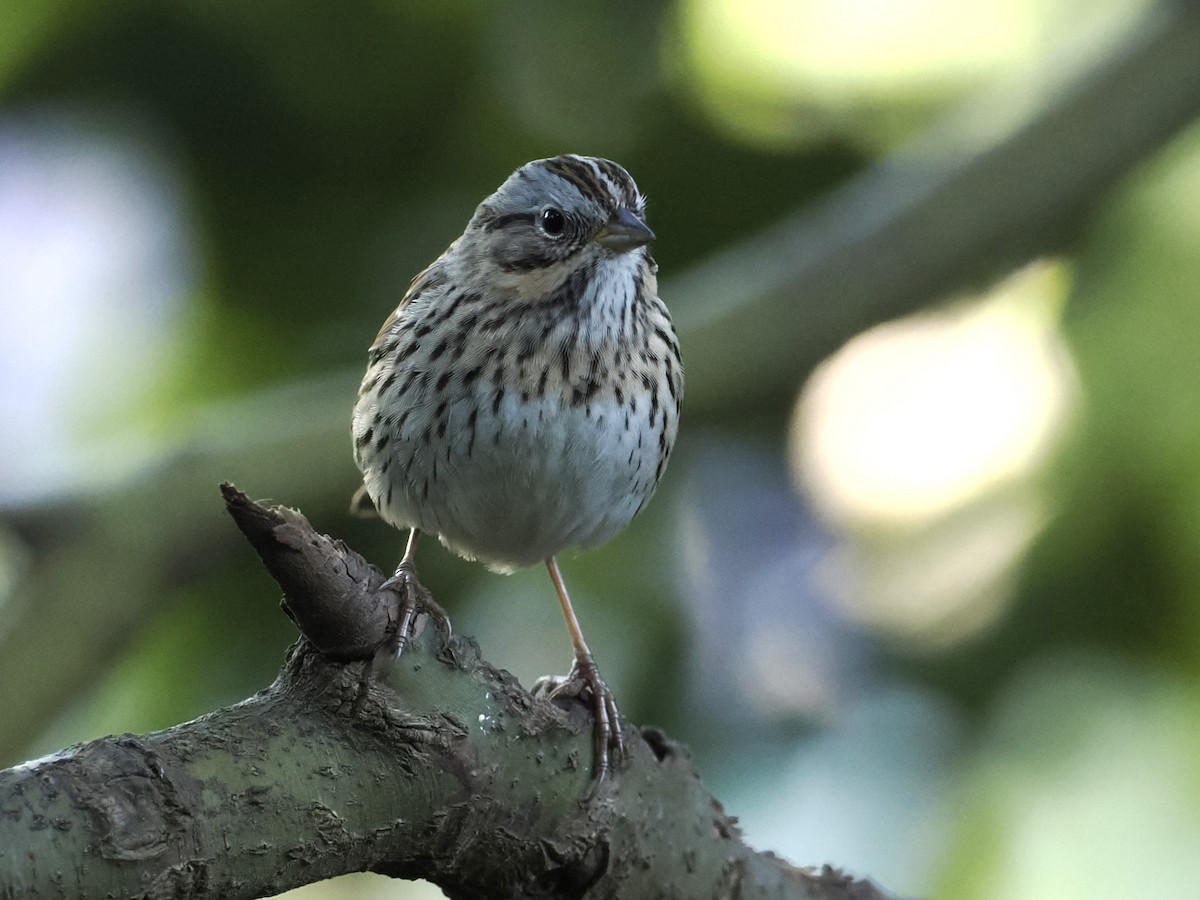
(552, 221)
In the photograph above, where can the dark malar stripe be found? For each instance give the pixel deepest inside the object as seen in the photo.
(533, 261)
(568, 295)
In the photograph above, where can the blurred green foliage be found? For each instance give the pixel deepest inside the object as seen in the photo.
(327, 152)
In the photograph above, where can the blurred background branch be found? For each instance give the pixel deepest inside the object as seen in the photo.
(932, 220)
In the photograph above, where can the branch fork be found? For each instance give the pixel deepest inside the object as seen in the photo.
(446, 769)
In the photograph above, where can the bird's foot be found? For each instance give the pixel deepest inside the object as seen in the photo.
(585, 683)
(413, 600)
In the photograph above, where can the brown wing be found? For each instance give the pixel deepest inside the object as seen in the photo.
(433, 276)
(361, 505)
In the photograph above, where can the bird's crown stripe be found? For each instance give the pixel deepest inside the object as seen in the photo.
(584, 175)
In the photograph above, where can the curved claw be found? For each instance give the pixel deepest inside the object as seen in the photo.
(413, 599)
(584, 682)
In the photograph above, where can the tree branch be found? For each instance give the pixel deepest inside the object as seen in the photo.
(449, 771)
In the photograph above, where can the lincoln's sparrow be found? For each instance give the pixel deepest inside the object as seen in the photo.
(524, 396)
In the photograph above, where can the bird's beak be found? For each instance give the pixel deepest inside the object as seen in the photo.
(624, 232)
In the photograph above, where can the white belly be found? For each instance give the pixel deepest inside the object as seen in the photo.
(537, 477)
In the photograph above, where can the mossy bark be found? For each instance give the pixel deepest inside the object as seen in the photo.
(445, 769)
